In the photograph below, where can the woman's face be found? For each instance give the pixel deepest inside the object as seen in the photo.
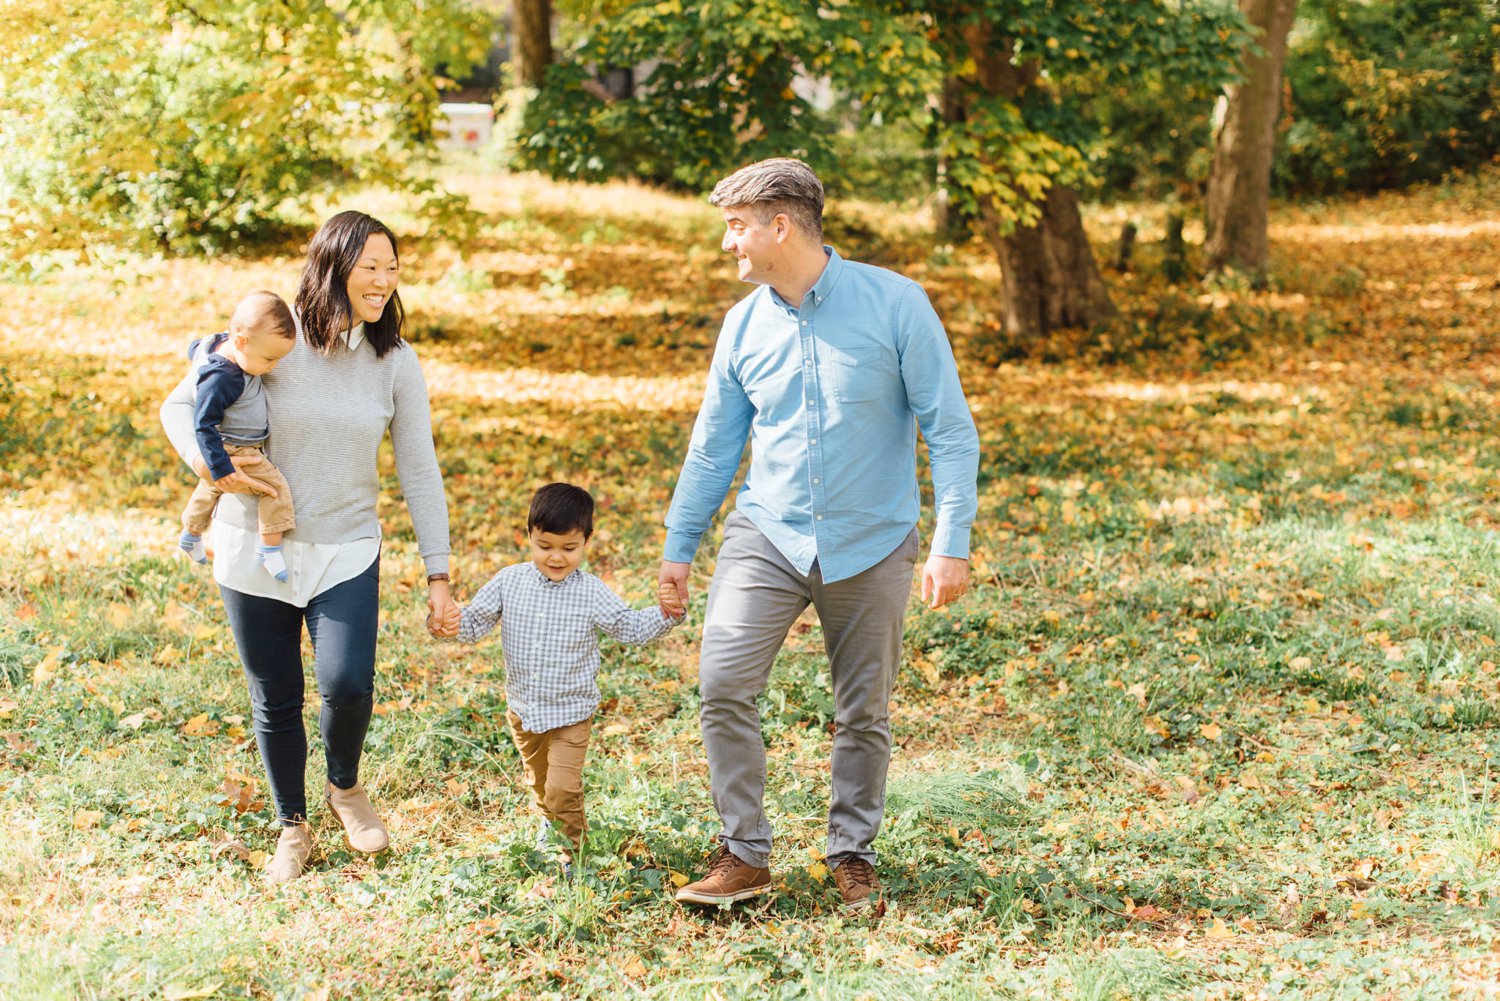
(374, 278)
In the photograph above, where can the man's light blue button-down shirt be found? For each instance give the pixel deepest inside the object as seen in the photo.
(831, 395)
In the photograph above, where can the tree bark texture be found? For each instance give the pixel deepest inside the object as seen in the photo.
(533, 33)
(1238, 205)
(1048, 276)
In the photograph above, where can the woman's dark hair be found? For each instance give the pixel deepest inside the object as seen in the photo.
(561, 508)
(323, 293)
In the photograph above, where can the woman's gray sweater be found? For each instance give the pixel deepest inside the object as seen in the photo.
(329, 414)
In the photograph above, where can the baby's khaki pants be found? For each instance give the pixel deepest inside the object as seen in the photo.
(274, 514)
(554, 771)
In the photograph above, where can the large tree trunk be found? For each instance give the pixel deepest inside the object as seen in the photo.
(1048, 275)
(533, 32)
(1239, 184)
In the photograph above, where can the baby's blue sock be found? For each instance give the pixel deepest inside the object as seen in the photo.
(193, 546)
(270, 557)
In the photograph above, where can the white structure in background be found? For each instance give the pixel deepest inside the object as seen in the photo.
(465, 126)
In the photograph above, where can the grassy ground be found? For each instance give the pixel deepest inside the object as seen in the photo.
(1218, 720)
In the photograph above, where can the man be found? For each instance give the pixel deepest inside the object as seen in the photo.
(829, 368)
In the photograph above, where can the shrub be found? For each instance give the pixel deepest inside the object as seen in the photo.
(201, 128)
(1387, 94)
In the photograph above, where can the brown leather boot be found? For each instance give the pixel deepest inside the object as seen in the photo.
(857, 883)
(292, 852)
(728, 880)
(362, 827)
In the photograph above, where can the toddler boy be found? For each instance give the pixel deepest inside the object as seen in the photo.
(230, 418)
(550, 613)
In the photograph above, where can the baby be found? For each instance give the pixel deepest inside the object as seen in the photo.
(230, 419)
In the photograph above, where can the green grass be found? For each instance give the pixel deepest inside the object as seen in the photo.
(1219, 718)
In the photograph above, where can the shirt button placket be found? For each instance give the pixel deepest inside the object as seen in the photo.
(814, 385)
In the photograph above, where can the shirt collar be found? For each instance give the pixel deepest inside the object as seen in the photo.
(354, 336)
(546, 581)
(829, 278)
(821, 288)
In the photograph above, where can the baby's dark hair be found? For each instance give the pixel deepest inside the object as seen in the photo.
(561, 508)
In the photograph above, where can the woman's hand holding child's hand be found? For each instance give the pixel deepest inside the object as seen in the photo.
(444, 615)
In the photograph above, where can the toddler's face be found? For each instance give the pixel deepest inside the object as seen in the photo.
(555, 555)
(258, 353)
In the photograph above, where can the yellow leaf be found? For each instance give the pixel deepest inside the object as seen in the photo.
(678, 878)
(635, 968)
(48, 667)
(7, 706)
(1210, 731)
(119, 615)
(168, 655)
(174, 616)
(258, 859)
(201, 726)
(1218, 930)
(85, 819)
(818, 871)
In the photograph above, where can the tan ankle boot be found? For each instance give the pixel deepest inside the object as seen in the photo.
(292, 853)
(361, 826)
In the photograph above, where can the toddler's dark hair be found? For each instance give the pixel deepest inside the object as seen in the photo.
(561, 508)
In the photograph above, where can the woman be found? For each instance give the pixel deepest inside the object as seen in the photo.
(349, 379)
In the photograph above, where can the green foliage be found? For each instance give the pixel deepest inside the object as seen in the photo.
(1024, 123)
(721, 91)
(187, 127)
(1386, 94)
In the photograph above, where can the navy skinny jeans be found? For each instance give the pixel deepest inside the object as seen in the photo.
(342, 623)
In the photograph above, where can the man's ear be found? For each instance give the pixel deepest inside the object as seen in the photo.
(783, 224)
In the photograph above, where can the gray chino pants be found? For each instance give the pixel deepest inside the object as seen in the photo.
(753, 600)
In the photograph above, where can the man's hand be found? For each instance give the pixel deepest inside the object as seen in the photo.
(236, 482)
(944, 578)
(675, 577)
(672, 603)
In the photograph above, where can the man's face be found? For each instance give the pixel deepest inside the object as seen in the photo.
(757, 247)
(556, 555)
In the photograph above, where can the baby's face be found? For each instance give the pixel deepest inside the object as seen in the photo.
(257, 353)
(555, 555)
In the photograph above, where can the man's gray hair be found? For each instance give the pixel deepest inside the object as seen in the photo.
(768, 187)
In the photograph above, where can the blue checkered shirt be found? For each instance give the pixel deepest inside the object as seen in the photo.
(549, 632)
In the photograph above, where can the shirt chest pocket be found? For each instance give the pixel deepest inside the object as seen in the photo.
(857, 373)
